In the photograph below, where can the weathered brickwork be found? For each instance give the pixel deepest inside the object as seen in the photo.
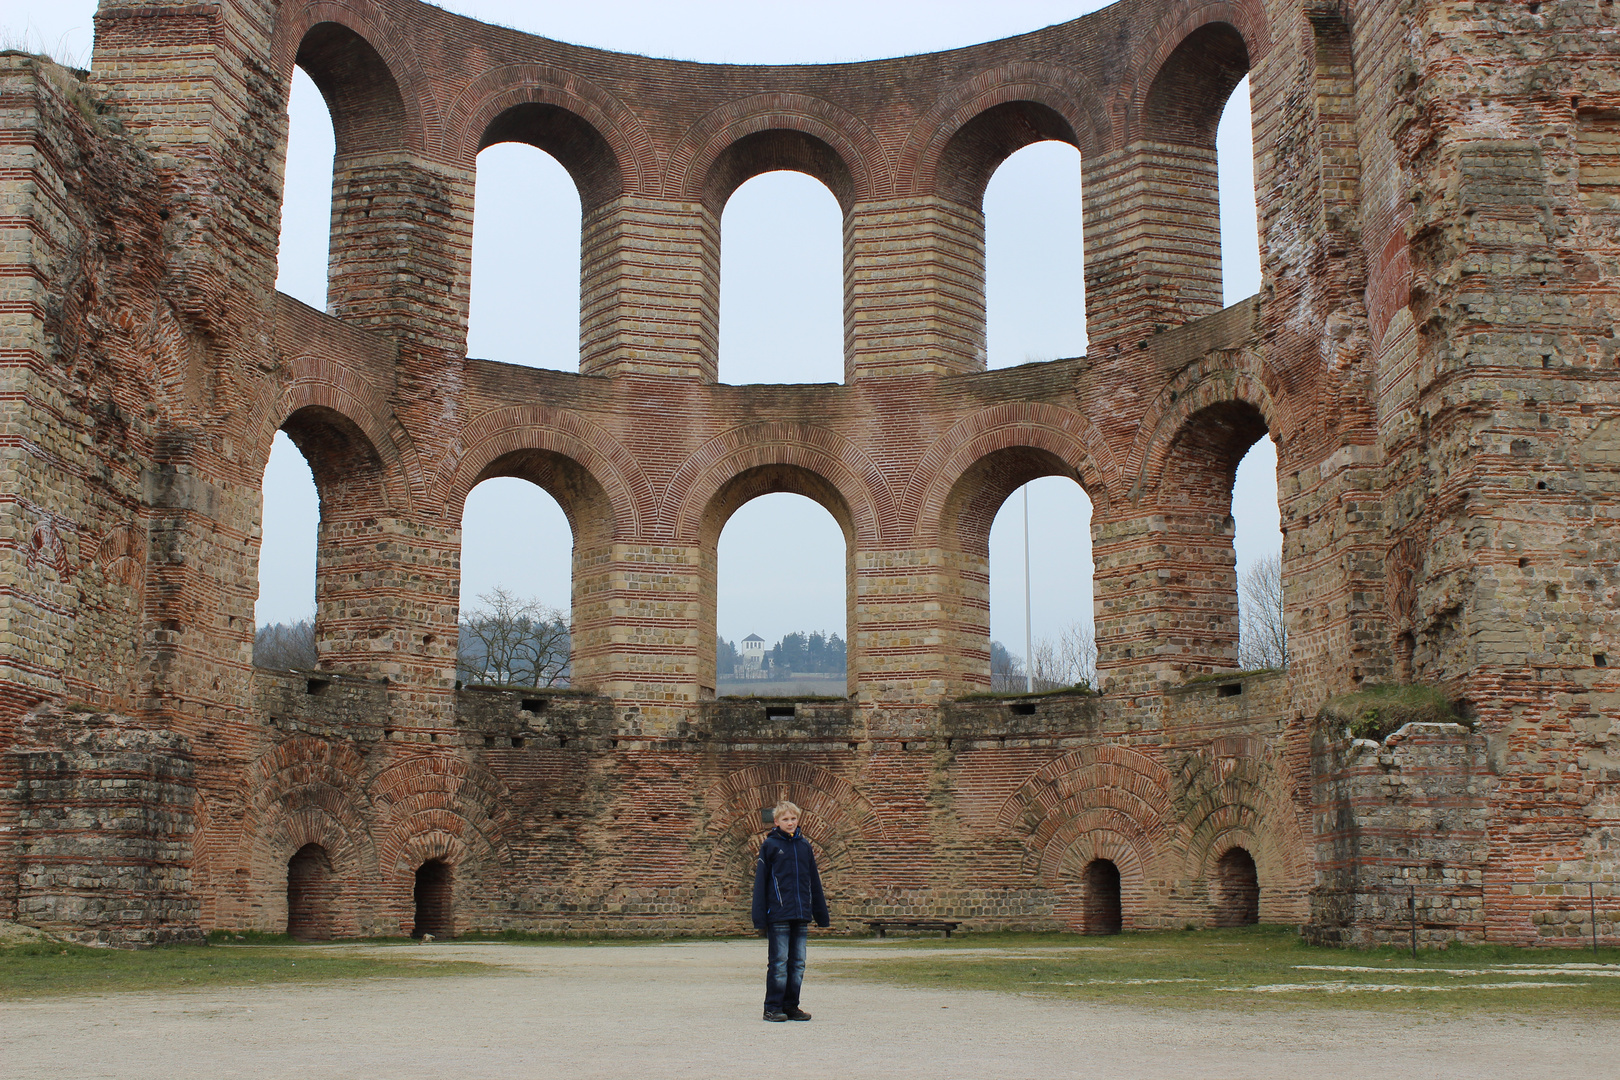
(1432, 351)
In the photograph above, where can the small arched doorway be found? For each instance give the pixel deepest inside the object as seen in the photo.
(434, 914)
(311, 890)
(1237, 889)
(1102, 909)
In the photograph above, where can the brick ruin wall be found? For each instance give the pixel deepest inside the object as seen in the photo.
(1432, 351)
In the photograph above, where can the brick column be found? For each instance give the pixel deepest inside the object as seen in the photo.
(913, 288)
(649, 292)
(1153, 241)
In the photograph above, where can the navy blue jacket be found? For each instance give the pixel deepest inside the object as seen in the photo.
(787, 887)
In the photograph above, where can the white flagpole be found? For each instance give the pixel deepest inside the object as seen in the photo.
(1029, 646)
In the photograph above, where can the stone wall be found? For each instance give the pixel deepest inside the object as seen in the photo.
(1432, 353)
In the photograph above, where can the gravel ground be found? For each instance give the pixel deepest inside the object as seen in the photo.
(692, 1010)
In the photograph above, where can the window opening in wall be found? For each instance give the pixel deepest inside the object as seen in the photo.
(781, 602)
(1257, 545)
(434, 899)
(1102, 909)
(524, 306)
(782, 282)
(1035, 288)
(517, 552)
(311, 893)
(1240, 223)
(1237, 889)
(306, 203)
(1060, 579)
(284, 614)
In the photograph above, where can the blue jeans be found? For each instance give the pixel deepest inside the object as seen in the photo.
(784, 966)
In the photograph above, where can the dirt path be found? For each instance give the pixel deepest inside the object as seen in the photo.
(692, 1010)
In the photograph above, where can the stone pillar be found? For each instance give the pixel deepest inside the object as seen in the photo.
(1153, 241)
(913, 288)
(649, 289)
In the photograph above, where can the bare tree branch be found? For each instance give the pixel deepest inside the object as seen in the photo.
(1262, 621)
(285, 646)
(512, 641)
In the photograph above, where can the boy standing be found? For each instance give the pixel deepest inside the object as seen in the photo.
(787, 895)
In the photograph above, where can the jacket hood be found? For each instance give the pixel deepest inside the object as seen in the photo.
(776, 831)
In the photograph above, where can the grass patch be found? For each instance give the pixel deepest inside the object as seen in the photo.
(1082, 688)
(1231, 676)
(1253, 967)
(48, 968)
(1376, 712)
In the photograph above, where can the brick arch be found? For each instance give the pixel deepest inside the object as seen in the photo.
(1239, 377)
(1208, 46)
(699, 169)
(1053, 101)
(435, 806)
(309, 791)
(1064, 435)
(838, 819)
(1234, 799)
(496, 93)
(499, 433)
(320, 383)
(868, 504)
(377, 117)
(1096, 787)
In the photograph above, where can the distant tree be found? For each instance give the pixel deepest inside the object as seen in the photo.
(813, 653)
(509, 640)
(1006, 670)
(285, 646)
(725, 658)
(1262, 620)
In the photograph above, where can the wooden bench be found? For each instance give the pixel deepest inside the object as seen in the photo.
(882, 925)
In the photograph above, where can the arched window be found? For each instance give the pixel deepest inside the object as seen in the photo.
(284, 616)
(311, 892)
(306, 195)
(781, 562)
(1034, 257)
(782, 282)
(516, 568)
(1101, 906)
(1257, 548)
(1240, 225)
(524, 307)
(1236, 889)
(434, 897)
(1062, 649)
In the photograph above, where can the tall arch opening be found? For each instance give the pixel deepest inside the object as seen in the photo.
(322, 476)
(779, 543)
(778, 199)
(1236, 889)
(1102, 907)
(524, 302)
(544, 174)
(366, 115)
(306, 195)
(517, 551)
(284, 613)
(537, 526)
(311, 894)
(433, 894)
(781, 282)
(1034, 262)
(1239, 214)
(1220, 494)
(982, 534)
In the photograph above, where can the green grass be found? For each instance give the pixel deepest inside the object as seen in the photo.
(1375, 712)
(39, 969)
(1254, 967)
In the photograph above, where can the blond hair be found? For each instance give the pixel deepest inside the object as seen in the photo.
(786, 806)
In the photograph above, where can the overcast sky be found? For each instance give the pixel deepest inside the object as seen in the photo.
(781, 556)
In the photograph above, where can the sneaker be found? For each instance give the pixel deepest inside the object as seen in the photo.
(777, 1017)
(796, 1013)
